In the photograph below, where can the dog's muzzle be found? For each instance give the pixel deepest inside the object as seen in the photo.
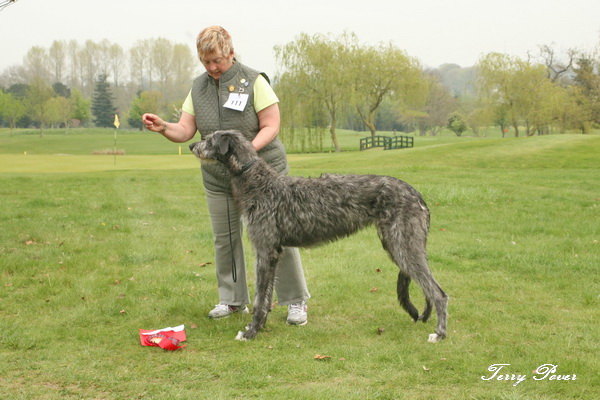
(193, 147)
(197, 148)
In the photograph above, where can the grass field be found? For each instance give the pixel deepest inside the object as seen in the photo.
(90, 252)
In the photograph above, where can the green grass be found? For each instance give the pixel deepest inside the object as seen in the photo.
(85, 142)
(91, 252)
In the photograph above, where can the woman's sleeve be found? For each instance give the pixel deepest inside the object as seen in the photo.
(188, 104)
(264, 96)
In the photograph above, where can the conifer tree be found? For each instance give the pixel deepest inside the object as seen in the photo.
(102, 103)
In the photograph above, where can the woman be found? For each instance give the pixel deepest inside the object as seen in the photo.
(230, 95)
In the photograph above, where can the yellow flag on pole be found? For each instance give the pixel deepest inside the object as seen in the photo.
(117, 123)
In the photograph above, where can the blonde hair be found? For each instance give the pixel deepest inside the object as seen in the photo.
(214, 40)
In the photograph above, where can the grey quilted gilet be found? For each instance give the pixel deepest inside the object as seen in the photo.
(209, 96)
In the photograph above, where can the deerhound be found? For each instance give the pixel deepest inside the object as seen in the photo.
(284, 211)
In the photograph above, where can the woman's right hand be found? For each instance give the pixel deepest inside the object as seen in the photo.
(154, 123)
(177, 132)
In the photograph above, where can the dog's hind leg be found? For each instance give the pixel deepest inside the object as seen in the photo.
(407, 248)
(417, 268)
(266, 265)
(434, 294)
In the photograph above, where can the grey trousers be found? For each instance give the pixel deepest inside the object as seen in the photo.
(290, 285)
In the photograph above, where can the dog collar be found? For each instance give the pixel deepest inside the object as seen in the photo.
(248, 165)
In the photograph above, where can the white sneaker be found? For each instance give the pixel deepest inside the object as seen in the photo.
(297, 314)
(224, 310)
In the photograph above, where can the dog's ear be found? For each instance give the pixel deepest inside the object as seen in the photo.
(223, 144)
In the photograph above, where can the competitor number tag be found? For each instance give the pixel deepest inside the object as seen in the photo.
(236, 101)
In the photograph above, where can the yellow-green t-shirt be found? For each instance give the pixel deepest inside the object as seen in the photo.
(264, 96)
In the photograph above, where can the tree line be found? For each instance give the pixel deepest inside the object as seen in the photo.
(57, 86)
(324, 82)
(340, 81)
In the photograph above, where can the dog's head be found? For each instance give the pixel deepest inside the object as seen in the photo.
(228, 147)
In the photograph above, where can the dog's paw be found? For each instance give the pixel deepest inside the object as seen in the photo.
(240, 336)
(434, 338)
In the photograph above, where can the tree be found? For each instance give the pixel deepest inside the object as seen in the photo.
(11, 109)
(89, 57)
(146, 102)
(59, 111)
(380, 72)
(116, 61)
(388, 116)
(74, 76)
(518, 89)
(496, 85)
(60, 89)
(162, 54)
(576, 111)
(556, 68)
(80, 108)
(438, 106)
(303, 122)
(103, 57)
(457, 124)
(38, 94)
(457, 79)
(102, 103)
(140, 64)
(57, 57)
(544, 107)
(587, 80)
(317, 68)
(477, 118)
(19, 90)
(182, 72)
(36, 64)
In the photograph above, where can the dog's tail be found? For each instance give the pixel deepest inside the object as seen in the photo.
(427, 312)
(403, 296)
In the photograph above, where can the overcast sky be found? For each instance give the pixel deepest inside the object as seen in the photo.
(433, 31)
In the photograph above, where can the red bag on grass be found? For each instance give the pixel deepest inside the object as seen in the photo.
(166, 338)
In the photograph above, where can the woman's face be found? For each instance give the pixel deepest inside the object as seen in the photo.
(217, 64)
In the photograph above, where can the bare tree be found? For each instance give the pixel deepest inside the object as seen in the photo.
(556, 66)
(182, 69)
(89, 57)
(117, 62)
(6, 3)
(57, 55)
(141, 64)
(161, 55)
(104, 61)
(73, 50)
(36, 64)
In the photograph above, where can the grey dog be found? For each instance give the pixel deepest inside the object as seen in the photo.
(284, 211)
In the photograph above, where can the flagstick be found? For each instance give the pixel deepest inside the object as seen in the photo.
(116, 124)
(115, 146)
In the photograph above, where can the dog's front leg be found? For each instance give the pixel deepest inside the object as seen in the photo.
(266, 265)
